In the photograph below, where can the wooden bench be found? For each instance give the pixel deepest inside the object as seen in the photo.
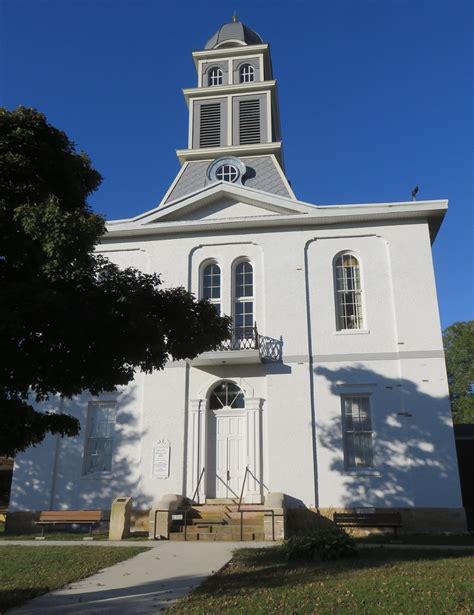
(369, 519)
(69, 517)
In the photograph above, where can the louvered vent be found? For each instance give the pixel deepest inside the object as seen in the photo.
(249, 113)
(210, 128)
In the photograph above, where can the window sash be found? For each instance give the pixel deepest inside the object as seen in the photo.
(348, 293)
(215, 76)
(358, 432)
(211, 285)
(247, 73)
(100, 437)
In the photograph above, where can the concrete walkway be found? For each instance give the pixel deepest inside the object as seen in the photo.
(147, 583)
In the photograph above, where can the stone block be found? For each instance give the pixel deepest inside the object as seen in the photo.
(160, 516)
(120, 518)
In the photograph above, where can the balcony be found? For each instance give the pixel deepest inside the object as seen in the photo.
(245, 346)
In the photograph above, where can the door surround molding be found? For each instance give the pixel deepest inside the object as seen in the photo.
(199, 444)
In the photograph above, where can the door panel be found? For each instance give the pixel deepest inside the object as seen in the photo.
(230, 467)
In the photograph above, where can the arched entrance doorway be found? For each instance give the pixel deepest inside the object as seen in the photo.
(227, 435)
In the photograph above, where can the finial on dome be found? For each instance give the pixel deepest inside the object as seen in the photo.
(235, 19)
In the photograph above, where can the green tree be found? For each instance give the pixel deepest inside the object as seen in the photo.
(458, 341)
(69, 319)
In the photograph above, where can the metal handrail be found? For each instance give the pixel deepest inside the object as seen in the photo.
(242, 338)
(243, 487)
(249, 471)
(198, 483)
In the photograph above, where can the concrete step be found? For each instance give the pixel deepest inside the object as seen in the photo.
(222, 500)
(224, 536)
(231, 513)
(220, 529)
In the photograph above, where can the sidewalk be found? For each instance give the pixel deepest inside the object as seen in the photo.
(145, 584)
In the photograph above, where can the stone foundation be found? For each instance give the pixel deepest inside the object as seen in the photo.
(414, 520)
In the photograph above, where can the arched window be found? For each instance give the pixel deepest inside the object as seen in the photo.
(243, 301)
(211, 285)
(226, 395)
(246, 73)
(348, 292)
(215, 76)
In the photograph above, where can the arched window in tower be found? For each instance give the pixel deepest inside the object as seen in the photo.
(246, 73)
(243, 302)
(348, 292)
(211, 285)
(215, 76)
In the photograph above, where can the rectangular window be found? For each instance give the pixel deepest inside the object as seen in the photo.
(100, 437)
(358, 434)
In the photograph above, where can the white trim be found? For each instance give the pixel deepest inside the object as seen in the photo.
(206, 153)
(191, 122)
(229, 120)
(234, 89)
(215, 54)
(199, 73)
(269, 117)
(230, 72)
(291, 213)
(236, 41)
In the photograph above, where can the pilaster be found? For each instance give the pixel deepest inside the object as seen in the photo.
(254, 487)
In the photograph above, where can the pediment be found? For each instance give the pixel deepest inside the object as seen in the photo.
(222, 202)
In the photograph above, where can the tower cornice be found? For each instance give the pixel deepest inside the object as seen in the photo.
(234, 88)
(210, 153)
(229, 52)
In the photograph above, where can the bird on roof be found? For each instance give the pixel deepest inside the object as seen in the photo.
(414, 192)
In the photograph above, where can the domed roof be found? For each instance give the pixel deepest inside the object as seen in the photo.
(233, 34)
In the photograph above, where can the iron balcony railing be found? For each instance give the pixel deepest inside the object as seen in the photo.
(248, 338)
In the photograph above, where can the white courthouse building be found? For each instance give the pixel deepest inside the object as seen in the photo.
(333, 388)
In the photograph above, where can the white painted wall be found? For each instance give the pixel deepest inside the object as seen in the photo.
(397, 359)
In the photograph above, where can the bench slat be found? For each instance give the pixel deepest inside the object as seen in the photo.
(70, 516)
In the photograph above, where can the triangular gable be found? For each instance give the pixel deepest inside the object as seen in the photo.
(224, 201)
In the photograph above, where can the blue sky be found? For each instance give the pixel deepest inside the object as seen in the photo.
(375, 97)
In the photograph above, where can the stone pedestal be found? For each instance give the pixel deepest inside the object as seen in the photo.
(160, 516)
(274, 526)
(120, 517)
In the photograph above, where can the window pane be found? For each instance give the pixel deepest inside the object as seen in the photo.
(349, 452)
(358, 436)
(226, 394)
(348, 292)
(99, 445)
(211, 283)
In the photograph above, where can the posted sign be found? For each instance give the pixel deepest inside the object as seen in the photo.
(161, 460)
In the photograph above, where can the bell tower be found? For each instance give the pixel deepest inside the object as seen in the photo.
(234, 122)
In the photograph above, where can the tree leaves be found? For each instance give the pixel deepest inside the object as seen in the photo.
(459, 350)
(69, 319)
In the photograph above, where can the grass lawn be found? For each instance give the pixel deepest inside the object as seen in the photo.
(376, 581)
(26, 572)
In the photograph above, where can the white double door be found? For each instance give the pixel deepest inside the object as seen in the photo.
(230, 454)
